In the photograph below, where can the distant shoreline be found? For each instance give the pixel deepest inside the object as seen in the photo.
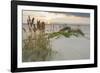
(66, 24)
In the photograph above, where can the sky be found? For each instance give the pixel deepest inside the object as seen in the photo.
(57, 17)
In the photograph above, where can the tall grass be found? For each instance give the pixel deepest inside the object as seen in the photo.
(37, 46)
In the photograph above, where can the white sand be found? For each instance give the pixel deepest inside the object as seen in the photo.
(71, 48)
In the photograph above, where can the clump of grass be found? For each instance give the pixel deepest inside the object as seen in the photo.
(37, 46)
(67, 34)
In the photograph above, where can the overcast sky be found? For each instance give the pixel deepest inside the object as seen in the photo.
(58, 18)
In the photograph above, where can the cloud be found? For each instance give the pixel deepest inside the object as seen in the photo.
(52, 17)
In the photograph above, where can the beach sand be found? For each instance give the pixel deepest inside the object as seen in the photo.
(71, 48)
